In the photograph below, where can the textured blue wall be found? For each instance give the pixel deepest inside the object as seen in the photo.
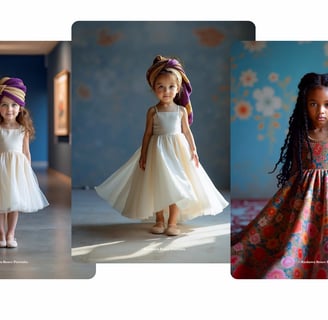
(110, 95)
(32, 70)
(264, 79)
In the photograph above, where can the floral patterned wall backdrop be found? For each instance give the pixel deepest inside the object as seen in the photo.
(264, 80)
(110, 94)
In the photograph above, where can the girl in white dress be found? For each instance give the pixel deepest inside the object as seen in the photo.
(165, 175)
(19, 189)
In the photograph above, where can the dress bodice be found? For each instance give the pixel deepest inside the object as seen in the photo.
(319, 153)
(11, 139)
(167, 122)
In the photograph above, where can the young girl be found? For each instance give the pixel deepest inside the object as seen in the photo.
(165, 173)
(289, 237)
(19, 189)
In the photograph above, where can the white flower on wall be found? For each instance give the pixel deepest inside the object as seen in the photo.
(248, 78)
(266, 102)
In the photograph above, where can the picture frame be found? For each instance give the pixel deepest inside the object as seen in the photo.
(61, 103)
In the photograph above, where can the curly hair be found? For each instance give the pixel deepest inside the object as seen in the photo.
(24, 119)
(299, 126)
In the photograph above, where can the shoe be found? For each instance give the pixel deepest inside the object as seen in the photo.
(3, 244)
(172, 230)
(158, 228)
(12, 243)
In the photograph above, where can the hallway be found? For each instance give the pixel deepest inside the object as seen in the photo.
(100, 234)
(44, 238)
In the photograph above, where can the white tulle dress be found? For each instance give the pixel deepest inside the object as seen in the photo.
(19, 188)
(170, 177)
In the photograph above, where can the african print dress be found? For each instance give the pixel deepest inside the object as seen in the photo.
(288, 239)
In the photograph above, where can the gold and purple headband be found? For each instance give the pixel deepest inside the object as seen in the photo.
(160, 64)
(14, 89)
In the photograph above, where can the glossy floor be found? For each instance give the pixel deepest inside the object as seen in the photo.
(100, 234)
(44, 238)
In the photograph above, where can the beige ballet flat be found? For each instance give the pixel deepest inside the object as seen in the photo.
(172, 230)
(3, 244)
(158, 228)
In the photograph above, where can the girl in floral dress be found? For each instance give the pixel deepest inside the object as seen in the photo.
(288, 239)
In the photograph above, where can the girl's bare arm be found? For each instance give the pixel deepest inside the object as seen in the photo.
(26, 146)
(146, 137)
(189, 136)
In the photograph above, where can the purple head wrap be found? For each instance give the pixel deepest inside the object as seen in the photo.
(183, 98)
(14, 89)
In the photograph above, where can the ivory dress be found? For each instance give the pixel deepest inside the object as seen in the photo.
(19, 188)
(170, 177)
(288, 239)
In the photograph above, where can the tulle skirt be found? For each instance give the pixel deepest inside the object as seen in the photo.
(19, 188)
(170, 177)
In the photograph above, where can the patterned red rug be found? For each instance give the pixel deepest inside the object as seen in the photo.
(243, 211)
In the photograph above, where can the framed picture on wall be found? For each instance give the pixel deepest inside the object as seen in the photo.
(61, 103)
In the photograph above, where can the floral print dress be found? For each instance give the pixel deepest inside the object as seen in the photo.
(288, 239)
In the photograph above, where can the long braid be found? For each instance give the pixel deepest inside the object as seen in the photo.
(298, 131)
(287, 151)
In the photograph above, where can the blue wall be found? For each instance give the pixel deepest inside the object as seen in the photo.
(32, 70)
(59, 147)
(37, 72)
(110, 94)
(271, 71)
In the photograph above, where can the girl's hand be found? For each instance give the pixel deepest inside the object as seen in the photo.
(194, 157)
(142, 163)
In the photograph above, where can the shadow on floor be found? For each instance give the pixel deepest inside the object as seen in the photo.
(100, 234)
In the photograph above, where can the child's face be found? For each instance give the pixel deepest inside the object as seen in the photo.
(166, 87)
(317, 107)
(9, 109)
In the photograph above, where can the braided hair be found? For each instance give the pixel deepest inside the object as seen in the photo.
(299, 126)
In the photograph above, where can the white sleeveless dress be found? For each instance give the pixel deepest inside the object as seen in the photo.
(19, 188)
(170, 177)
